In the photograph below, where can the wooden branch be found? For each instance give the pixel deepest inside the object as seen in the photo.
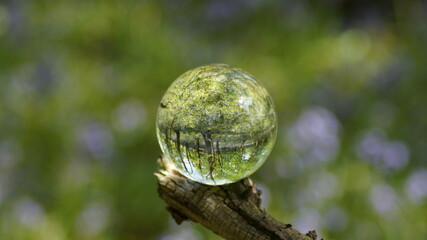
(232, 211)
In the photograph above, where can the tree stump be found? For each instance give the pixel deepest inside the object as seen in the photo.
(232, 211)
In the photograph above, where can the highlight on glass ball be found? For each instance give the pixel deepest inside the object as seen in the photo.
(217, 124)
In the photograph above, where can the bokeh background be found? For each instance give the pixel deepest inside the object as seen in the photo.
(80, 83)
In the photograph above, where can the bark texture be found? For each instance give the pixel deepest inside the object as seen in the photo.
(232, 211)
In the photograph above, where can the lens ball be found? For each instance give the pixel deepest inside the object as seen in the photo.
(217, 124)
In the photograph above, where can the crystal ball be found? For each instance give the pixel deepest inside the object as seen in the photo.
(217, 124)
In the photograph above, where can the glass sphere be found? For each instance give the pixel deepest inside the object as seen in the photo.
(217, 124)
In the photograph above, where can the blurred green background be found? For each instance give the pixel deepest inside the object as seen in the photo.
(80, 83)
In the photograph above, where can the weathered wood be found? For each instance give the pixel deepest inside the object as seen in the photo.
(232, 211)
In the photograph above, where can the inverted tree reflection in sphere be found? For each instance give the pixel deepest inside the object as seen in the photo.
(217, 124)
